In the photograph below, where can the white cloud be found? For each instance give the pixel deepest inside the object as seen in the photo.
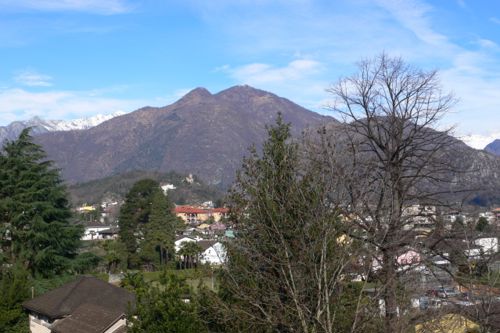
(106, 7)
(33, 79)
(19, 104)
(299, 80)
(259, 73)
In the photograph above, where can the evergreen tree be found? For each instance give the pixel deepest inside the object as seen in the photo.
(147, 224)
(190, 252)
(134, 214)
(34, 210)
(162, 308)
(160, 231)
(14, 289)
(482, 224)
(285, 269)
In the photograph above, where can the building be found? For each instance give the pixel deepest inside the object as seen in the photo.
(213, 252)
(181, 240)
(195, 215)
(448, 323)
(94, 232)
(84, 305)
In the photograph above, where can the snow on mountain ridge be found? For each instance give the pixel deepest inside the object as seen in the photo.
(79, 124)
(39, 125)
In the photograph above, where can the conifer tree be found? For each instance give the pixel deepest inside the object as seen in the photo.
(147, 224)
(160, 230)
(34, 210)
(285, 269)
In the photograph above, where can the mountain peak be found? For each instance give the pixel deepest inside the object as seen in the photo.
(196, 94)
(242, 90)
(494, 147)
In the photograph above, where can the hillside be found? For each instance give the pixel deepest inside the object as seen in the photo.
(494, 147)
(202, 133)
(117, 186)
(468, 175)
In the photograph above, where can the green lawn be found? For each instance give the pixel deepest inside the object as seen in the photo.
(193, 277)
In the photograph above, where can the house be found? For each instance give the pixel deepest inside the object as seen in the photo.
(496, 213)
(488, 245)
(85, 209)
(203, 228)
(420, 219)
(182, 239)
(111, 233)
(84, 305)
(218, 228)
(213, 252)
(448, 323)
(192, 214)
(92, 232)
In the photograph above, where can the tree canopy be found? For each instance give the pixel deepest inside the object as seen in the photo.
(34, 210)
(147, 224)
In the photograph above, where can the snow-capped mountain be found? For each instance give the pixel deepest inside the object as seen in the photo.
(79, 124)
(39, 125)
(478, 141)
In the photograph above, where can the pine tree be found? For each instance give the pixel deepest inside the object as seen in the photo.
(14, 289)
(159, 236)
(34, 210)
(147, 224)
(134, 214)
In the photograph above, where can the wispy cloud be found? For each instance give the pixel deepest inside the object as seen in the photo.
(33, 79)
(105, 7)
(412, 14)
(299, 80)
(495, 20)
(259, 73)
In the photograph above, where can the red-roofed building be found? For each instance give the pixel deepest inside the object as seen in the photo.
(192, 214)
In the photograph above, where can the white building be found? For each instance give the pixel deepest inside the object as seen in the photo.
(92, 231)
(213, 252)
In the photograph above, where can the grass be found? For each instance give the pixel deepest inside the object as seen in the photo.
(194, 277)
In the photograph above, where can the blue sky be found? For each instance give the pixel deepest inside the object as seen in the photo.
(66, 59)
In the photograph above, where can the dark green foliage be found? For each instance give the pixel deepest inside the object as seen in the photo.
(42, 285)
(34, 211)
(190, 252)
(482, 224)
(119, 185)
(14, 289)
(116, 255)
(169, 306)
(85, 262)
(134, 281)
(134, 214)
(159, 235)
(147, 225)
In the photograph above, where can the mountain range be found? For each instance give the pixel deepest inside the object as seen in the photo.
(494, 147)
(39, 125)
(208, 134)
(202, 133)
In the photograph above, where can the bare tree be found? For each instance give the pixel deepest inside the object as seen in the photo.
(385, 158)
